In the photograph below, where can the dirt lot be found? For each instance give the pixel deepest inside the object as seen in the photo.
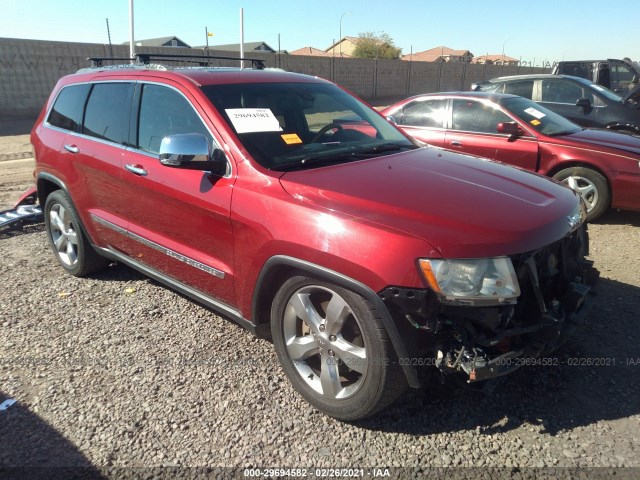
(117, 371)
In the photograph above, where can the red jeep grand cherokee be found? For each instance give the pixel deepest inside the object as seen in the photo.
(288, 205)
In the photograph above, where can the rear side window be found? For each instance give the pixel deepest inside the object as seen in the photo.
(522, 89)
(426, 113)
(108, 111)
(67, 110)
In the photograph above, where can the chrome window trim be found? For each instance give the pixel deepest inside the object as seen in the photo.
(156, 246)
(129, 147)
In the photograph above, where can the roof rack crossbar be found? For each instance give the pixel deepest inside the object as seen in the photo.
(202, 60)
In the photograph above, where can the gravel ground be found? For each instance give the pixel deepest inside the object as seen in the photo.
(117, 371)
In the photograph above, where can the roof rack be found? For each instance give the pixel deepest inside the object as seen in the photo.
(201, 60)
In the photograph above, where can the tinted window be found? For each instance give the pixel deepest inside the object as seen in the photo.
(164, 111)
(67, 110)
(107, 114)
(522, 89)
(474, 116)
(563, 91)
(425, 113)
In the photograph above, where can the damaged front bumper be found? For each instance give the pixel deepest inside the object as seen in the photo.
(484, 342)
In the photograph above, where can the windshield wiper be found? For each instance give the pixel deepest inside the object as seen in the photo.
(389, 147)
(337, 157)
(564, 132)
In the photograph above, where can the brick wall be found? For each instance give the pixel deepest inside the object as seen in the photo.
(30, 68)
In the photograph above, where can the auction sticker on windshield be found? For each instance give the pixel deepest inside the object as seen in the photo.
(251, 120)
(535, 113)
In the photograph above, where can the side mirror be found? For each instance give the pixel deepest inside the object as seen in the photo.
(191, 151)
(391, 119)
(510, 128)
(583, 102)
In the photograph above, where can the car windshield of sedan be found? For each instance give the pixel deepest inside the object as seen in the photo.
(539, 118)
(287, 126)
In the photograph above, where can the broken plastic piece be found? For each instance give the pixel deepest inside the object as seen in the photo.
(7, 403)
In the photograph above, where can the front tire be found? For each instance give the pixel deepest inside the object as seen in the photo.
(591, 186)
(334, 349)
(69, 243)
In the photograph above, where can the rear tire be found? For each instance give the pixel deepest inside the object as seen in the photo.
(67, 239)
(591, 186)
(334, 349)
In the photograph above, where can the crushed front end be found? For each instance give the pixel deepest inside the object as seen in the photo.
(523, 307)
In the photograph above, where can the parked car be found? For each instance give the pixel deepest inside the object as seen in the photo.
(603, 166)
(578, 99)
(620, 76)
(291, 207)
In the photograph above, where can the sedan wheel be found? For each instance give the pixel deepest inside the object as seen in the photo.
(334, 349)
(590, 185)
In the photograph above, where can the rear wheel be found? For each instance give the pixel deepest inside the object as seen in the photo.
(590, 185)
(69, 243)
(334, 349)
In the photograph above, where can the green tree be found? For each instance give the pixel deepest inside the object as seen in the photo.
(371, 45)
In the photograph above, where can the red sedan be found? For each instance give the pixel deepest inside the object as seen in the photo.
(603, 166)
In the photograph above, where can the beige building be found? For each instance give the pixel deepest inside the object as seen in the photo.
(315, 52)
(495, 60)
(440, 54)
(344, 47)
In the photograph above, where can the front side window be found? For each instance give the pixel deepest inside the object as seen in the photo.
(297, 125)
(563, 91)
(424, 113)
(67, 110)
(108, 111)
(472, 116)
(163, 112)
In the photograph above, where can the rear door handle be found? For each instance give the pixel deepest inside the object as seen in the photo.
(137, 169)
(71, 148)
(456, 143)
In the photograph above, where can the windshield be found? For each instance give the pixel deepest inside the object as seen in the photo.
(295, 125)
(539, 118)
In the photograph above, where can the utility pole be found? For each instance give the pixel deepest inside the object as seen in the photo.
(241, 38)
(132, 48)
(109, 37)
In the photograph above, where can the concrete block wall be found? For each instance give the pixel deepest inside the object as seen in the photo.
(30, 68)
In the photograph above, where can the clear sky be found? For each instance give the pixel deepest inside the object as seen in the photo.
(542, 30)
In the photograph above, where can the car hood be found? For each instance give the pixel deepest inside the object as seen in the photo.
(463, 206)
(620, 140)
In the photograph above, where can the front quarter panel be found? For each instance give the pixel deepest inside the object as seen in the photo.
(268, 222)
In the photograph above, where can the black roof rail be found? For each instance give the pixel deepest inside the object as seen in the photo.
(201, 60)
(97, 61)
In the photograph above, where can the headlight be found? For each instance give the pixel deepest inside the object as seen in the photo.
(488, 281)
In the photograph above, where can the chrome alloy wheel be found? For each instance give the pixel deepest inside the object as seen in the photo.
(63, 234)
(585, 188)
(324, 342)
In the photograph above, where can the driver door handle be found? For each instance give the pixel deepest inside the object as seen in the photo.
(136, 169)
(71, 148)
(456, 143)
